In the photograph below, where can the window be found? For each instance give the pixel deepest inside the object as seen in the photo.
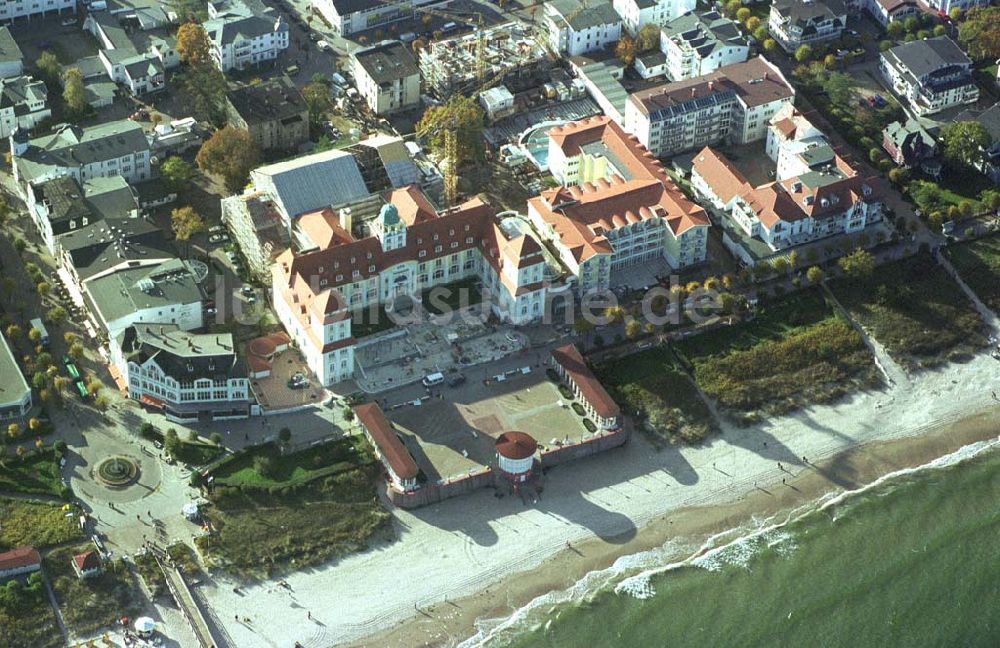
(421, 254)
(454, 244)
(340, 278)
(468, 239)
(371, 268)
(437, 248)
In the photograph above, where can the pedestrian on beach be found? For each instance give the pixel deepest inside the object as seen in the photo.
(779, 466)
(309, 615)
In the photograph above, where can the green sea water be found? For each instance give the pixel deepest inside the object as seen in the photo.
(913, 560)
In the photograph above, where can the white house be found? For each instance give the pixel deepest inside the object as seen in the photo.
(932, 75)
(387, 77)
(186, 375)
(698, 43)
(347, 17)
(886, 11)
(239, 41)
(23, 104)
(636, 13)
(17, 561)
(575, 28)
(945, 6)
(104, 150)
(793, 23)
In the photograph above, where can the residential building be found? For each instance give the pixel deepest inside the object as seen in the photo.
(793, 23)
(698, 43)
(408, 248)
(242, 39)
(815, 194)
(396, 459)
(21, 560)
(387, 77)
(990, 119)
(732, 104)
(651, 64)
(886, 11)
(11, 58)
(910, 145)
(13, 10)
(347, 17)
(87, 564)
(616, 208)
(576, 28)
(144, 14)
(273, 112)
(140, 72)
(636, 13)
(932, 74)
(188, 376)
(15, 394)
(572, 368)
(165, 293)
(23, 104)
(945, 6)
(62, 205)
(100, 151)
(602, 79)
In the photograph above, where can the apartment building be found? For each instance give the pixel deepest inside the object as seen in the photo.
(887, 11)
(931, 75)
(387, 77)
(696, 44)
(410, 247)
(576, 28)
(616, 208)
(945, 6)
(793, 23)
(187, 376)
(732, 104)
(101, 151)
(910, 145)
(636, 13)
(13, 10)
(815, 194)
(23, 104)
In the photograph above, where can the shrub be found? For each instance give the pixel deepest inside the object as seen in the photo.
(587, 423)
(578, 408)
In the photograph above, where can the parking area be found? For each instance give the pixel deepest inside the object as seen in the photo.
(454, 431)
(405, 355)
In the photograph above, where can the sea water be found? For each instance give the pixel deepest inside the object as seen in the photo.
(910, 560)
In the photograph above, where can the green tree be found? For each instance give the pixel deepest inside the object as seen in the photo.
(56, 315)
(176, 172)
(193, 46)
(885, 45)
(732, 7)
(955, 13)
(185, 223)
(895, 30)
(74, 92)
(980, 33)
(189, 10)
(648, 37)
(49, 68)
(753, 24)
(770, 44)
(633, 328)
(625, 50)
(990, 198)
(231, 153)
(760, 33)
(76, 351)
(317, 98)
(171, 442)
(840, 88)
(858, 264)
(804, 54)
(614, 314)
(742, 14)
(463, 116)
(965, 142)
(911, 24)
(202, 81)
(814, 275)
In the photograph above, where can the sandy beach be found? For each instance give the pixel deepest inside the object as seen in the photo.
(479, 556)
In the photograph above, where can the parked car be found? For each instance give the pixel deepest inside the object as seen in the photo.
(323, 46)
(215, 229)
(314, 37)
(456, 380)
(218, 238)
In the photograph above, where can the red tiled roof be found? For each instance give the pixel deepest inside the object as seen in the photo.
(87, 560)
(590, 388)
(392, 449)
(323, 229)
(412, 205)
(18, 558)
(723, 178)
(516, 445)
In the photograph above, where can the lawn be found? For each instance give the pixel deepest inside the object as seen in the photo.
(650, 386)
(26, 618)
(151, 573)
(450, 297)
(39, 524)
(915, 310)
(35, 474)
(978, 263)
(258, 532)
(795, 352)
(91, 604)
(365, 321)
(245, 469)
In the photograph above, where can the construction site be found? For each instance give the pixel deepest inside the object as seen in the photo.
(511, 55)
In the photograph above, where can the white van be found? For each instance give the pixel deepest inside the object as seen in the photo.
(433, 379)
